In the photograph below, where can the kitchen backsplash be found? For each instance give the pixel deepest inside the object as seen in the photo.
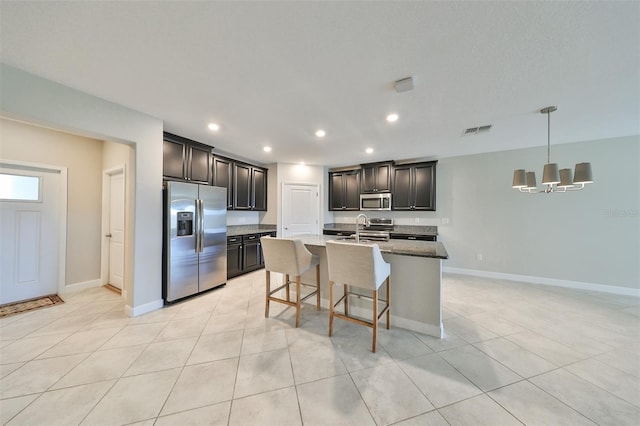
(235, 217)
(399, 218)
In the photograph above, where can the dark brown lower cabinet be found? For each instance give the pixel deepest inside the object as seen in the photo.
(338, 233)
(252, 252)
(234, 256)
(395, 236)
(244, 253)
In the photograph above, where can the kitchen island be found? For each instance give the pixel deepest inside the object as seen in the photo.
(416, 281)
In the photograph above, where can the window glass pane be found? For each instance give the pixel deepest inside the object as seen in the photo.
(19, 188)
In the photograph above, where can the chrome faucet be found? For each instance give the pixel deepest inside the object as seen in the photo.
(366, 221)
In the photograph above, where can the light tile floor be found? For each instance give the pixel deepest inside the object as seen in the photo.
(513, 353)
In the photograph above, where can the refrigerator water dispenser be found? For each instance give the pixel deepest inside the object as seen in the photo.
(185, 224)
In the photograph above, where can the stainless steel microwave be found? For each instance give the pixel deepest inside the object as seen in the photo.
(375, 201)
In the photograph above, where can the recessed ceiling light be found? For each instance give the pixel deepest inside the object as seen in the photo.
(267, 149)
(214, 127)
(369, 150)
(391, 118)
(320, 133)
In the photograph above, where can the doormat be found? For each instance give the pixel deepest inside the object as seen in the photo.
(29, 305)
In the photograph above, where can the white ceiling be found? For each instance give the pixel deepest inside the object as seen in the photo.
(271, 73)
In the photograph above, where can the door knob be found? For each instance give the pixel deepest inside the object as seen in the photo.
(108, 235)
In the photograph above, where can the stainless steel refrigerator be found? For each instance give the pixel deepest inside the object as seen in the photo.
(195, 239)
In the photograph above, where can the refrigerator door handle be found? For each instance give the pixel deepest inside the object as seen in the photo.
(201, 217)
(198, 230)
(200, 226)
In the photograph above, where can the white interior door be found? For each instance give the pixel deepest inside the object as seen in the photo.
(115, 235)
(29, 233)
(300, 209)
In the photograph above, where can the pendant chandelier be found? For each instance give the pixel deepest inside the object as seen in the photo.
(555, 181)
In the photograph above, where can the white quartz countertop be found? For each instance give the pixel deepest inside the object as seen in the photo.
(433, 249)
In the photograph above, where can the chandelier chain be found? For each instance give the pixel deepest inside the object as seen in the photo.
(548, 137)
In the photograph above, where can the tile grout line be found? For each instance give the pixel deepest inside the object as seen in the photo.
(248, 305)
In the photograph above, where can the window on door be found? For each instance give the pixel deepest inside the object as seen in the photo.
(20, 188)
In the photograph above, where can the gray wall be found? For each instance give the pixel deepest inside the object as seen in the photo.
(574, 236)
(590, 236)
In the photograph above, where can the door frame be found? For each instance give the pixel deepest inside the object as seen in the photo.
(317, 188)
(62, 210)
(106, 198)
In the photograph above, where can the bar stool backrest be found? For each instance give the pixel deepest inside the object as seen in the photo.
(285, 255)
(356, 264)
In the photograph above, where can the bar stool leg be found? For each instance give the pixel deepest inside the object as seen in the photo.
(268, 282)
(330, 308)
(375, 320)
(346, 302)
(318, 287)
(286, 281)
(388, 305)
(297, 300)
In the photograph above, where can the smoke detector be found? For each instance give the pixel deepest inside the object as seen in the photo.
(404, 85)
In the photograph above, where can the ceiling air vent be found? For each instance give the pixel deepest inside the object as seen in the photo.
(476, 130)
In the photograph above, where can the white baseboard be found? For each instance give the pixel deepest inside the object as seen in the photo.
(625, 291)
(143, 309)
(420, 327)
(396, 321)
(72, 288)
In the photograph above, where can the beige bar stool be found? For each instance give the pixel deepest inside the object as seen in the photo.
(362, 266)
(291, 258)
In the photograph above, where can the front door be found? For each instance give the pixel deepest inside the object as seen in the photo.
(29, 232)
(300, 209)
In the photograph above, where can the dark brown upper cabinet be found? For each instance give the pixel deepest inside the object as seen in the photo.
(249, 187)
(259, 188)
(376, 177)
(414, 186)
(173, 159)
(344, 190)
(191, 161)
(184, 159)
(223, 176)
